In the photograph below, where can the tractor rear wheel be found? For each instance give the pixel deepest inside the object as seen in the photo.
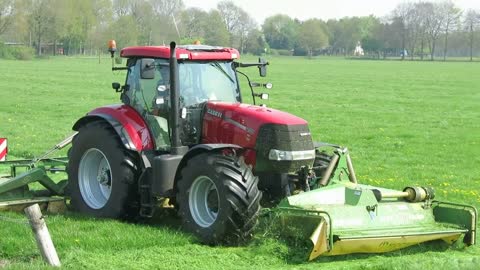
(218, 198)
(101, 173)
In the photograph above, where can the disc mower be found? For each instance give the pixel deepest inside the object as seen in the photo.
(182, 137)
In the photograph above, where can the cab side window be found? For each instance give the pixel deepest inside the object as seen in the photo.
(143, 96)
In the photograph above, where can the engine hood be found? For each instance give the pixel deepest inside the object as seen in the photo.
(239, 123)
(258, 114)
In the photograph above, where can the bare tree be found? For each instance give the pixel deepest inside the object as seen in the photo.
(121, 8)
(166, 8)
(231, 14)
(403, 14)
(434, 21)
(6, 18)
(472, 22)
(451, 15)
(237, 21)
(245, 25)
(424, 18)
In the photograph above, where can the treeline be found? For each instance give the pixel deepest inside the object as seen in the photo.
(412, 30)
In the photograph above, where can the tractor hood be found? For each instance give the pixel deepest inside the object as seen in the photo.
(261, 129)
(238, 123)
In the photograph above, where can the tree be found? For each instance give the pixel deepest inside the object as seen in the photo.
(312, 35)
(376, 40)
(392, 39)
(350, 33)
(99, 32)
(6, 11)
(246, 25)
(165, 14)
(403, 14)
(124, 29)
(434, 21)
(209, 28)
(451, 15)
(472, 22)
(280, 31)
(255, 42)
(167, 8)
(422, 18)
(193, 23)
(215, 29)
(40, 14)
(237, 21)
(73, 22)
(230, 14)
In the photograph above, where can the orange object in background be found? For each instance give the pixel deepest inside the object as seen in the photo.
(112, 45)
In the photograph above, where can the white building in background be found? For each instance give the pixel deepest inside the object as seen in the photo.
(358, 50)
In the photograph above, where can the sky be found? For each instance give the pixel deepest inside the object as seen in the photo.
(323, 9)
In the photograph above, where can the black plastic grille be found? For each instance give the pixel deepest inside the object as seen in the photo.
(282, 137)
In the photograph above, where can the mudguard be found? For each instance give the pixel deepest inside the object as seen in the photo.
(126, 121)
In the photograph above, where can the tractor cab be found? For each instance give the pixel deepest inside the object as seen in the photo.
(206, 73)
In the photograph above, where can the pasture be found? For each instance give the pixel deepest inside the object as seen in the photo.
(405, 123)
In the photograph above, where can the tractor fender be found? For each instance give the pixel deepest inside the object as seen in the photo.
(128, 124)
(200, 148)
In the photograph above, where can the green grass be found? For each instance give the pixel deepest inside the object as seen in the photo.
(405, 123)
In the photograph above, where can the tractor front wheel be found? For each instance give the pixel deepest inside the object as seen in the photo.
(101, 173)
(218, 198)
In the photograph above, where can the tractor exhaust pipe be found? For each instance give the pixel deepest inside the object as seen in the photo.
(177, 148)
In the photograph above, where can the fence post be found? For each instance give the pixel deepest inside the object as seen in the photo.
(42, 236)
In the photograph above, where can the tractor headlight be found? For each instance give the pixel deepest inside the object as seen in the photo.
(275, 154)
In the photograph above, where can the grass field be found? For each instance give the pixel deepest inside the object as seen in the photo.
(405, 123)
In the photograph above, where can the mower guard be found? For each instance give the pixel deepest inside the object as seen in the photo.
(343, 217)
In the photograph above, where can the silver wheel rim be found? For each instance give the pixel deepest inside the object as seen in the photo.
(95, 178)
(204, 201)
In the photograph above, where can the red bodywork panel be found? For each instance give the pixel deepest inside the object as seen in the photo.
(190, 52)
(132, 123)
(238, 123)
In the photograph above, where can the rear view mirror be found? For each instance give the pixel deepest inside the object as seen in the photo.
(262, 68)
(147, 70)
(116, 86)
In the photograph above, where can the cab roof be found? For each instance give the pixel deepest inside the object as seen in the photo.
(190, 52)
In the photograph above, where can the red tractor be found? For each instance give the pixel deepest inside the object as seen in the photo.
(182, 133)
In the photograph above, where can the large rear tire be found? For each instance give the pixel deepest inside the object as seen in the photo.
(102, 174)
(218, 198)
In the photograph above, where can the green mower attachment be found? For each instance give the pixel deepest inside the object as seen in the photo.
(344, 217)
(15, 189)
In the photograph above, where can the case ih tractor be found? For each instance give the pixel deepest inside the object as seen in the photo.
(183, 133)
(182, 136)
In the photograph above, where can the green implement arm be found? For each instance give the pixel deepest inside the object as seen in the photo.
(15, 188)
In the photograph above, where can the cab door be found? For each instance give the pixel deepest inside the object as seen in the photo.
(147, 82)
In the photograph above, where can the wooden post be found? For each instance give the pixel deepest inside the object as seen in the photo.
(42, 236)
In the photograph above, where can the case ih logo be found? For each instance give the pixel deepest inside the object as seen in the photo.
(214, 113)
(3, 149)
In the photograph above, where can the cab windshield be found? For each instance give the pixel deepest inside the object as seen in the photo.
(201, 81)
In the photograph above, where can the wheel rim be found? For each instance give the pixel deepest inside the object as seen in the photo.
(95, 178)
(204, 201)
